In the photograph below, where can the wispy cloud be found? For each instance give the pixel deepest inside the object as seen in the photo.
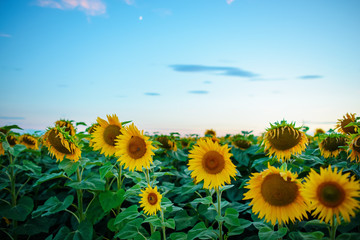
(5, 35)
(207, 82)
(90, 7)
(267, 79)
(227, 71)
(163, 12)
(11, 118)
(229, 1)
(307, 77)
(152, 94)
(129, 2)
(198, 92)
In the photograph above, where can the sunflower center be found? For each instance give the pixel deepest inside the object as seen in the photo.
(137, 147)
(285, 138)
(56, 143)
(332, 144)
(330, 194)
(278, 192)
(152, 198)
(213, 162)
(11, 140)
(356, 145)
(110, 134)
(242, 144)
(350, 129)
(29, 141)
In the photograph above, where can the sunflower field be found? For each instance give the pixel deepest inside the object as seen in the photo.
(113, 181)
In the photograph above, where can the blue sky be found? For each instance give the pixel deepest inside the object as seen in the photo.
(183, 66)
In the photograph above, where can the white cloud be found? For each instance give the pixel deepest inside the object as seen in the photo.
(229, 1)
(5, 35)
(90, 7)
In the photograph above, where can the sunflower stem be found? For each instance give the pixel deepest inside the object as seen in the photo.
(80, 196)
(163, 224)
(218, 193)
(12, 177)
(333, 228)
(147, 176)
(119, 182)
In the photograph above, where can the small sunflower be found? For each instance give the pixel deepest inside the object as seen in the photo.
(150, 200)
(241, 142)
(61, 144)
(211, 162)
(29, 141)
(134, 148)
(210, 133)
(105, 135)
(12, 140)
(319, 131)
(332, 193)
(330, 145)
(341, 124)
(354, 147)
(276, 195)
(92, 128)
(283, 139)
(69, 127)
(167, 143)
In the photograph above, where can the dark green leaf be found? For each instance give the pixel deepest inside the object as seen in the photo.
(154, 220)
(20, 211)
(53, 205)
(109, 199)
(18, 148)
(92, 183)
(200, 231)
(84, 231)
(35, 226)
(155, 236)
(306, 236)
(349, 236)
(49, 177)
(130, 230)
(128, 214)
(183, 220)
(105, 169)
(178, 236)
(69, 166)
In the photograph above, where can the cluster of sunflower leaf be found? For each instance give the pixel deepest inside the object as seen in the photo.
(112, 181)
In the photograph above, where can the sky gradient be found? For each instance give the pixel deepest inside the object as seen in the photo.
(180, 66)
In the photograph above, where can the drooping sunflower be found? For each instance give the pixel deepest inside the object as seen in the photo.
(341, 124)
(29, 141)
(354, 149)
(211, 162)
(69, 127)
(166, 143)
(92, 128)
(331, 145)
(12, 140)
(284, 139)
(104, 136)
(2, 151)
(275, 194)
(61, 144)
(134, 148)
(319, 131)
(210, 133)
(150, 200)
(241, 142)
(331, 193)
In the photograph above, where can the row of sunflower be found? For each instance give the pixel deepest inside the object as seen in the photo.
(114, 181)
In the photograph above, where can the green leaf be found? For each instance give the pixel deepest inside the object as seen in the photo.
(29, 165)
(178, 236)
(130, 230)
(17, 149)
(109, 199)
(92, 183)
(154, 220)
(3, 185)
(105, 169)
(237, 230)
(20, 211)
(95, 212)
(134, 190)
(35, 226)
(183, 220)
(267, 233)
(200, 231)
(316, 223)
(53, 205)
(349, 236)
(84, 231)
(170, 223)
(155, 236)
(49, 177)
(69, 166)
(306, 236)
(205, 200)
(128, 214)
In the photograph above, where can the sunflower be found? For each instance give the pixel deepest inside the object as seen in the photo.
(92, 128)
(134, 148)
(331, 193)
(2, 151)
(276, 195)
(283, 139)
(105, 135)
(150, 200)
(29, 141)
(319, 131)
(61, 144)
(341, 124)
(241, 142)
(69, 127)
(354, 147)
(211, 162)
(210, 133)
(12, 140)
(331, 145)
(166, 143)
